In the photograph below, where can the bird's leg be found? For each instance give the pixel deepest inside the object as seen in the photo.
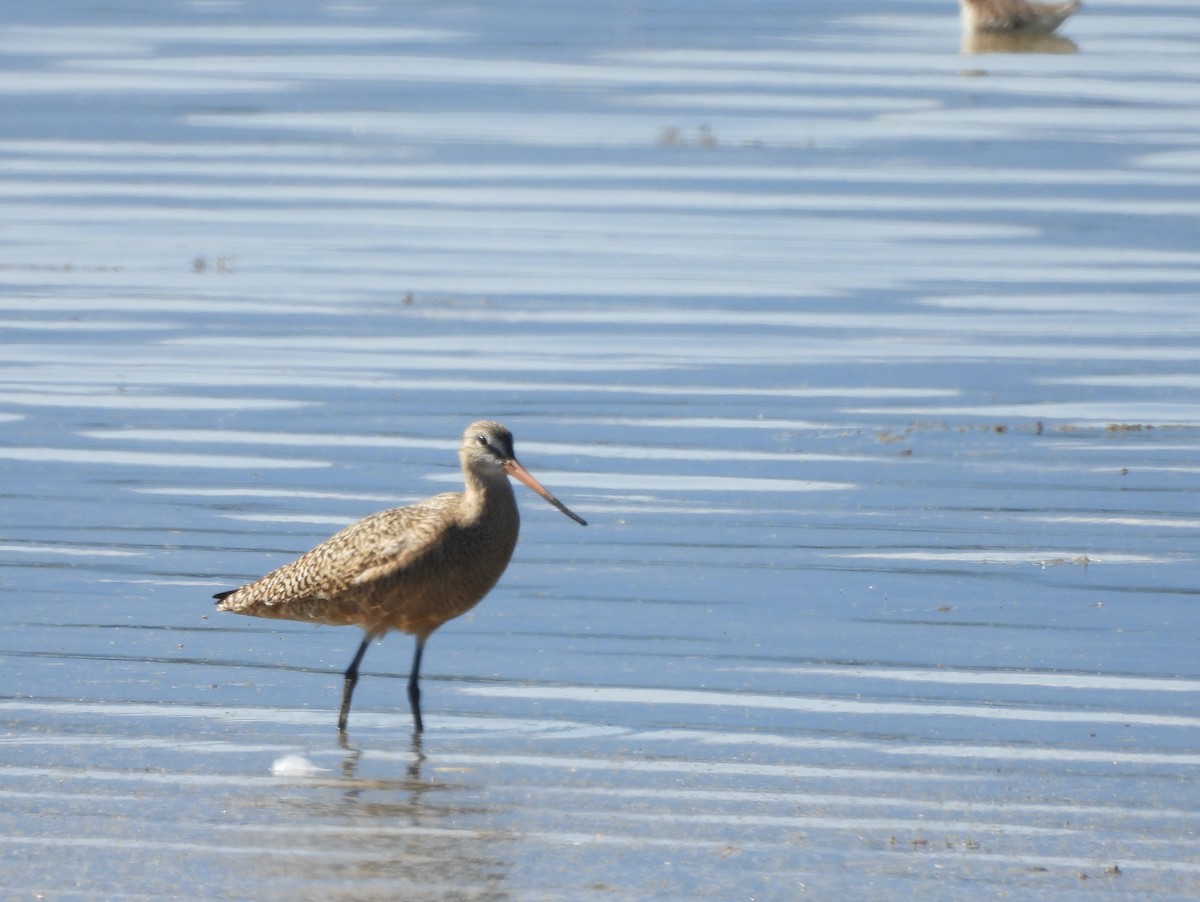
(414, 689)
(351, 680)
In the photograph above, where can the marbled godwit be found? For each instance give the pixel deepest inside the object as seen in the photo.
(1015, 15)
(408, 568)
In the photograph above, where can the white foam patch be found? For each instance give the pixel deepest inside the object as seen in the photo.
(294, 766)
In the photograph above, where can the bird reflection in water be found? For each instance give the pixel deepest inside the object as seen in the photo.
(380, 828)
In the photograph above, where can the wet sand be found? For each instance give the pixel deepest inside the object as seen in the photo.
(871, 364)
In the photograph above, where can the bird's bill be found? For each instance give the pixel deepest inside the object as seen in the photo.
(515, 470)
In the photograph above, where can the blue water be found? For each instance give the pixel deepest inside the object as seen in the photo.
(871, 364)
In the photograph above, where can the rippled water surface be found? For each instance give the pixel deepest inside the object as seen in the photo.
(871, 362)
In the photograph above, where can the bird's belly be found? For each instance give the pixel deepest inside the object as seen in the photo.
(418, 613)
(419, 601)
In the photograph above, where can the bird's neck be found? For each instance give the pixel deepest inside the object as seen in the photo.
(488, 497)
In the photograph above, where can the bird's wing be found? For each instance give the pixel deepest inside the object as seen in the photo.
(403, 544)
(380, 546)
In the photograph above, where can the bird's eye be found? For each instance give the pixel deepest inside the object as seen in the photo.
(482, 439)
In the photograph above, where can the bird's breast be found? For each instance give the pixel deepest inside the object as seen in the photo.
(453, 576)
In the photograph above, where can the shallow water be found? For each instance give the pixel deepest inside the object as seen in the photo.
(871, 364)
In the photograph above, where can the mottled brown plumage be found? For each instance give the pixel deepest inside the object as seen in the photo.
(1015, 15)
(409, 568)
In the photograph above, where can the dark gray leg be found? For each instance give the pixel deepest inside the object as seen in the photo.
(351, 680)
(414, 689)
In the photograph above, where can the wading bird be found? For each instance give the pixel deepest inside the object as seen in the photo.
(1015, 15)
(408, 568)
